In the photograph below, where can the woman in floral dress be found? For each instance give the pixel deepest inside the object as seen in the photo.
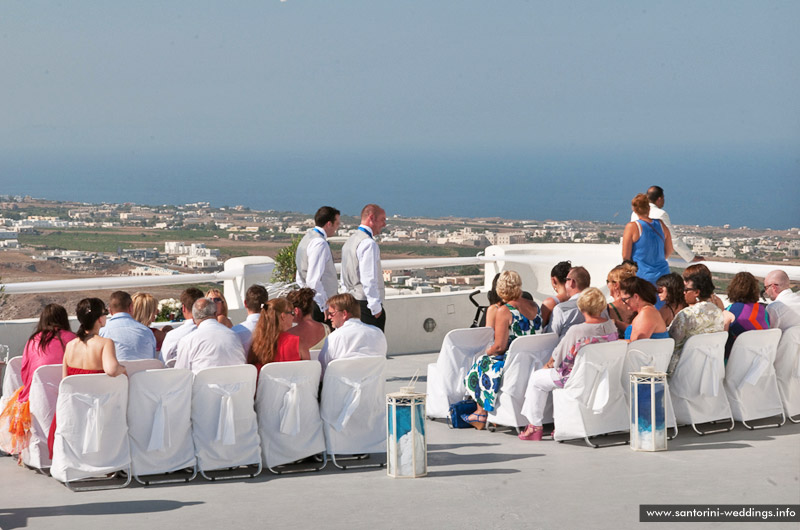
(513, 319)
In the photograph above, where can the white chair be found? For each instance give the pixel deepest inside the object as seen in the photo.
(592, 401)
(160, 425)
(42, 400)
(750, 381)
(224, 426)
(525, 355)
(91, 438)
(12, 380)
(696, 385)
(655, 353)
(139, 365)
(787, 370)
(288, 414)
(353, 407)
(445, 382)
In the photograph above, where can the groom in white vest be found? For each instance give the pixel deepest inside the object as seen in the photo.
(362, 274)
(314, 260)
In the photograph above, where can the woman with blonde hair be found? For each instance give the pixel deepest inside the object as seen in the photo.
(271, 342)
(222, 306)
(647, 242)
(145, 311)
(558, 369)
(513, 319)
(620, 313)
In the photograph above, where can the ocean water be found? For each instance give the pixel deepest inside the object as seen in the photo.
(714, 187)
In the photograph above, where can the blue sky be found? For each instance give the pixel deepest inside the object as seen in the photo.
(88, 79)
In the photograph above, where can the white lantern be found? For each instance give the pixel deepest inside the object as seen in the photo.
(407, 451)
(648, 410)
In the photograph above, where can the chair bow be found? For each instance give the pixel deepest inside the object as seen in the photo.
(91, 428)
(290, 409)
(709, 374)
(757, 367)
(594, 392)
(160, 437)
(226, 427)
(350, 402)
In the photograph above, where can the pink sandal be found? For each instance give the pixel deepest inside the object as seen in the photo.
(531, 433)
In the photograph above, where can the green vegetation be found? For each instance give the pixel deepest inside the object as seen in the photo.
(423, 250)
(108, 240)
(285, 268)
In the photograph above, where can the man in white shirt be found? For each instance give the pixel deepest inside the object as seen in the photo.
(169, 348)
(314, 261)
(784, 311)
(350, 337)
(566, 314)
(211, 344)
(254, 300)
(656, 196)
(362, 273)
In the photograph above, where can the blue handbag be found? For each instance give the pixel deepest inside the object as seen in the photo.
(466, 406)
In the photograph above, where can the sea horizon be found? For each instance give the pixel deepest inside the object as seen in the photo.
(703, 188)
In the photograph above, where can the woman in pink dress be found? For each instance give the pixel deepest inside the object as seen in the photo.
(45, 346)
(88, 353)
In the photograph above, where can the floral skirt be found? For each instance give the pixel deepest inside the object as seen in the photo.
(483, 380)
(15, 425)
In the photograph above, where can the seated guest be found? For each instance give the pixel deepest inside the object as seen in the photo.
(558, 279)
(222, 306)
(271, 342)
(132, 340)
(145, 311)
(699, 268)
(618, 311)
(211, 344)
(646, 241)
(45, 346)
(701, 315)
(744, 313)
(350, 336)
(513, 319)
(310, 332)
(494, 303)
(89, 353)
(567, 313)
(595, 328)
(254, 300)
(640, 296)
(784, 310)
(169, 348)
(670, 291)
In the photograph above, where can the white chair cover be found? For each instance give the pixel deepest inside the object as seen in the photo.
(289, 423)
(353, 406)
(91, 436)
(224, 426)
(750, 381)
(525, 355)
(787, 369)
(593, 401)
(160, 421)
(138, 365)
(42, 399)
(446, 375)
(12, 379)
(696, 384)
(649, 352)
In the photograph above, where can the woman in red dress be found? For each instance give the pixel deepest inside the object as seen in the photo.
(271, 343)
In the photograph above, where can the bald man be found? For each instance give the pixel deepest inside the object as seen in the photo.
(784, 311)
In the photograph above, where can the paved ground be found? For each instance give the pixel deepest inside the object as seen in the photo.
(476, 480)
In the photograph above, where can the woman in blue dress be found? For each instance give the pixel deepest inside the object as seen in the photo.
(513, 319)
(640, 296)
(647, 242)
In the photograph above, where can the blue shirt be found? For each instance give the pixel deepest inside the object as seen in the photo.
(132, 340)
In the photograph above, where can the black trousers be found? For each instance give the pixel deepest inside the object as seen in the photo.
(367, 318)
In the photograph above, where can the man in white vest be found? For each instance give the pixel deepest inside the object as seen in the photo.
(362, 274)
(314, 260)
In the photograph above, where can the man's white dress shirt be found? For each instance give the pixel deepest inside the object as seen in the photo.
(321, 272)
(169, 348)
(353, 339)
(369, 265)
(211, 344)
(784, 312)
(246, 329)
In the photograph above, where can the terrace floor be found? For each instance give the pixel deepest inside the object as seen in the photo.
(476, 480)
